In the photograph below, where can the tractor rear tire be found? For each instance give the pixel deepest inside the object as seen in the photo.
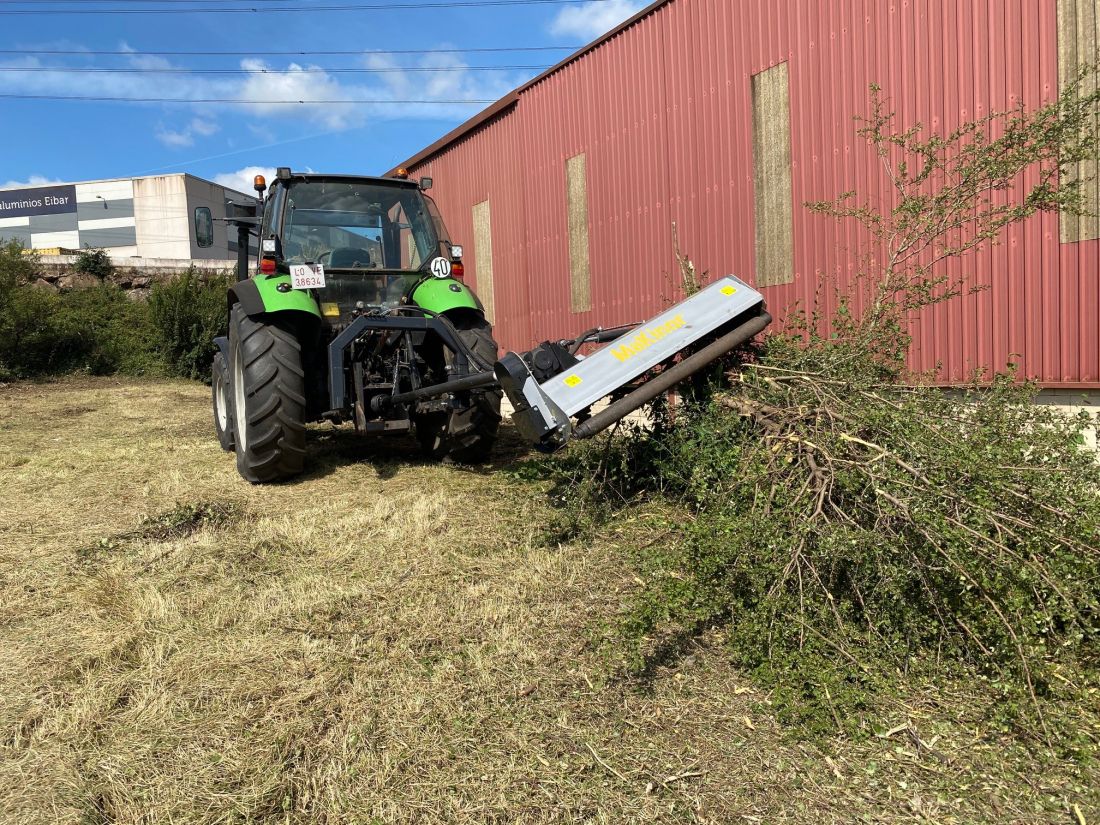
(269, 399)
(466, 435)
(220, 394)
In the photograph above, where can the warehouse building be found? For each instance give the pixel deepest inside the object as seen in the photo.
(725, 118)
(146, 217)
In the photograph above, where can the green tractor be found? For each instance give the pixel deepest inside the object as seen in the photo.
(356, 312)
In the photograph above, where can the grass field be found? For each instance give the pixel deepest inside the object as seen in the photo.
(388, 641)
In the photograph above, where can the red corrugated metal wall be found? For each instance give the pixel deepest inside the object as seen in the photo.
(663, 111)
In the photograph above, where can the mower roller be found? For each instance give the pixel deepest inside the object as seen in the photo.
(358, 313)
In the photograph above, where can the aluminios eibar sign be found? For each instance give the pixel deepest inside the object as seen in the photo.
(43, 200)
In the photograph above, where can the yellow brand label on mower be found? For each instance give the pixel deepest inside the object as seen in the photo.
(572, 380)
(729, 290)
(647, 338)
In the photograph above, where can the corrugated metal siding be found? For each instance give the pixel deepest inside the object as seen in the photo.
(663, 112)
(487, 165)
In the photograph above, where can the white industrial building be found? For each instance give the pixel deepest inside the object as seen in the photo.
(147, 217)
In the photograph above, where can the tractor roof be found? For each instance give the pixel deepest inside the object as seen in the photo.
(297, 177)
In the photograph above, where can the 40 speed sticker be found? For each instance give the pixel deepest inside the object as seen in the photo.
(307, 276)
(441, 267)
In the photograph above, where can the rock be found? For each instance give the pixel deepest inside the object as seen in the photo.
(42, 283)
(77, 280)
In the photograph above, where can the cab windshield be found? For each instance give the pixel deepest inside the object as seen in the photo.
(353, 225)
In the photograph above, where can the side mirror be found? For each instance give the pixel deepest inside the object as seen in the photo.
(425, 184)
(204, 227)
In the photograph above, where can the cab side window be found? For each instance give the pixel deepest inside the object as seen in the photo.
(437, 220)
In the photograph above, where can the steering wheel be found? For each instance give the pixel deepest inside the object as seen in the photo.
(324, 257)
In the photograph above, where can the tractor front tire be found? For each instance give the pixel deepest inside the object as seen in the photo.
(466, 435)
(220, 393)
(269, 399)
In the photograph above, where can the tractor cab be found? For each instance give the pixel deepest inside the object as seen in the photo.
(374, 239)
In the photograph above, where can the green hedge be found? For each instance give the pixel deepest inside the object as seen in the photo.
(102, 330)
(188, 314)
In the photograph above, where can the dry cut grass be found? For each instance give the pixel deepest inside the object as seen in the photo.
(380, 641)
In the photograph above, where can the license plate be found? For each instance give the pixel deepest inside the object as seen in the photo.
(307, 276)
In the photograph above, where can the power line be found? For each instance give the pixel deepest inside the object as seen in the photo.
(254, 148)
(115, 2)
(242, 100)
(296, 52)
(438, 4)
(276, 72)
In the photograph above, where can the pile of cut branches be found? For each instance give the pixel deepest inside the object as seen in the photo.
(846, 531)
(849, 527)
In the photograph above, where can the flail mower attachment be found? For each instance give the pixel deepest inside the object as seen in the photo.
(550, 385)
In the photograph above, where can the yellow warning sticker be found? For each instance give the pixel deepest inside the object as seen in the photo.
(728, 290)
(330, 309)
(572, 380)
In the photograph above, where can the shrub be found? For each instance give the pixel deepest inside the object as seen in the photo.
(189, 313)
(27, 343)
(99, 331)
(94, 262)
(102, 331)
(17, 267)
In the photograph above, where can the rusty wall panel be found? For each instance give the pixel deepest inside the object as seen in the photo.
(485, 166)
(771, 168)
(576, 205)
(662, 111)
(1078, 29)
(482, 220)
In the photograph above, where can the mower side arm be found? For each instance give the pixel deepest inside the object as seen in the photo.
(699, 330)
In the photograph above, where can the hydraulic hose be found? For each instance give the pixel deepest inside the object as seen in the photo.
(599, 335)
(469, 382)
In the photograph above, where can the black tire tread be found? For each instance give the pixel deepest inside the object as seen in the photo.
(219, 373)
(465, 435)
(471, 433)
(275, 408)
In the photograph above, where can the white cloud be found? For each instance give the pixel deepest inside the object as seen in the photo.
(453, 83)
(590, 20)
(33, 180)
(241, 180)
(307, 85)
(186, 136)
(203, 127)
(175, 140)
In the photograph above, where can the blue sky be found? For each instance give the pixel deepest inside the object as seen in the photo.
(53, 140)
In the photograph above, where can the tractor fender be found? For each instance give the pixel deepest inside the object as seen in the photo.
(271, 293)
(441, 295)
